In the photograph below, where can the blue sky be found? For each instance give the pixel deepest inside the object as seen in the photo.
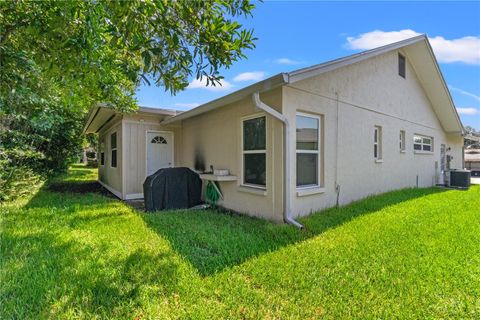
(293, 34)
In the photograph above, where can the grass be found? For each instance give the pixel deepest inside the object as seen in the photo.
(412, 253)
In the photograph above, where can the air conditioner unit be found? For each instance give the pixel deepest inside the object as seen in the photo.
(460, 178)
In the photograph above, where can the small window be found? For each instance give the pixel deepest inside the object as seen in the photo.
(377, 143)
(159, 140)
(254, 152)
(401, 65)
(402, 140)
(113, 146)
(102, 153)
(422, 143)
(307, 137)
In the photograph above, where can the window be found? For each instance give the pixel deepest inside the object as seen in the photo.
(113, 147)
(401, 65)
(254, 152)
(308, 128)
(102, 153)
(422, 143)
(377, 143)
(402, 140)
(159, 140)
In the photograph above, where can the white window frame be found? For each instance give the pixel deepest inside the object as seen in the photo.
(243, 152)
(113, 149)
(377, 142)
(402, 141)
(102, 151)
(317, 152)
(422, 144)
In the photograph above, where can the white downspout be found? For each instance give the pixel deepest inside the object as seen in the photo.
(286, 156)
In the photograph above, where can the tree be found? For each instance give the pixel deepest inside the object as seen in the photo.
(58, 59)
(472, 138)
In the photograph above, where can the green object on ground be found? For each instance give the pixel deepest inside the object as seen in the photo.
(211, 193)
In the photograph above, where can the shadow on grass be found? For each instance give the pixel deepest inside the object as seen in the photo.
(212, 241)
(53, 268)
(65, 252)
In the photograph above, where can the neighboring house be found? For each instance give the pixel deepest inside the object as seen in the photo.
(301, 141)
(472, 161)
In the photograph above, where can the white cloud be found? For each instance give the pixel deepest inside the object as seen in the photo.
(466, 49)
(224, 85)
(286, 61)
(187, 105)
(250, 76)
(465, 93)
(468, 111)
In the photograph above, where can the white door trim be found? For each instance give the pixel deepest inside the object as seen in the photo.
(146, 147)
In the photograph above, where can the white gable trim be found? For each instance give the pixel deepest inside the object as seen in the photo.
(445, 110)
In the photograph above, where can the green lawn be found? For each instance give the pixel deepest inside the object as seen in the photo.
(409, 254)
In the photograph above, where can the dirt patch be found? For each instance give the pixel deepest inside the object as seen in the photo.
(79, 187)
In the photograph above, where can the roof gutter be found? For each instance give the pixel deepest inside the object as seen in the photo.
(286, 156)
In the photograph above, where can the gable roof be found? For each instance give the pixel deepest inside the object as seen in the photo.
(418, 51)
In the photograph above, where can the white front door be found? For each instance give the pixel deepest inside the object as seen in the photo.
(159, 151)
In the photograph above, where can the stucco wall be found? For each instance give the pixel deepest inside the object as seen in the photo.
(112, 177)
(370, 93)
(214, 138)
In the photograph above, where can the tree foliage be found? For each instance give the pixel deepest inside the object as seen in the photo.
(58, 59)
(472, 138)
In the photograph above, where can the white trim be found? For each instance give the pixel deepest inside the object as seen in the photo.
(146, 148)
(117, 193)
(303, 192)
(124, 167)
(422, 152)
(133, 196)
(142, 122)
(252, 190)
(317, 151)
(243, 152)
(261, 86)
(315, 70)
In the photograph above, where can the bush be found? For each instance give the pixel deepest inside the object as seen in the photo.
(16, 180)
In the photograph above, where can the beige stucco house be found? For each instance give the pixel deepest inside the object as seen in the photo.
(301, 141)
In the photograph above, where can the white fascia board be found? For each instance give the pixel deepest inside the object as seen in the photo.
(445, 87)
(318, 69)
(261, 86)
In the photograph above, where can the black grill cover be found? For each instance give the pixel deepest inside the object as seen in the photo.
(172, 188)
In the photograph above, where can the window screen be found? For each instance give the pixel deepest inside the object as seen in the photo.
(254, 151)
(307, 141)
